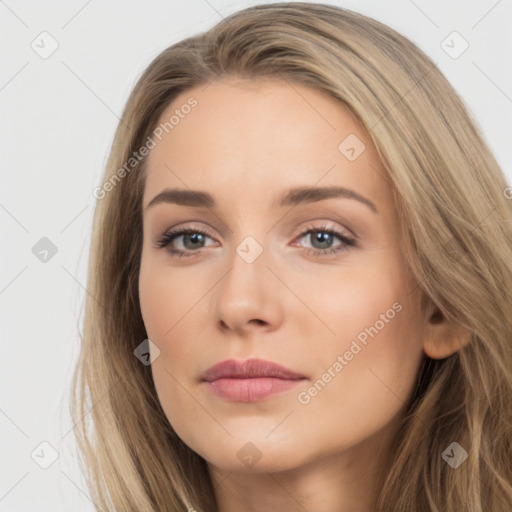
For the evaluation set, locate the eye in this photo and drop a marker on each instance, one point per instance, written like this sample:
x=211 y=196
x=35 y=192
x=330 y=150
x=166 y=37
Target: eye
x=323 y=237
x=194 y=239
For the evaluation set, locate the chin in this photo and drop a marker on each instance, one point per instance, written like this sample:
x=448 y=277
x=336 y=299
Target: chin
x=268 y=463
x=250 y=454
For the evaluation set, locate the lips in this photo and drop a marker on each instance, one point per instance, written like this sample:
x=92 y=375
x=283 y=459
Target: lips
x=250 y=380
x=249 y=369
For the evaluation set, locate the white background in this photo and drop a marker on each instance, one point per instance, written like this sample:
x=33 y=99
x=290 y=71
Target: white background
x=57 y=121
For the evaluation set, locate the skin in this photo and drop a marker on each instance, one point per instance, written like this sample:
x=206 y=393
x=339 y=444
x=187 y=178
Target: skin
x=246 y=143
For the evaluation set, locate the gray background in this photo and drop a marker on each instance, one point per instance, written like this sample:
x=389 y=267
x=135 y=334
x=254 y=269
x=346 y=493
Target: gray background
x=57 y=119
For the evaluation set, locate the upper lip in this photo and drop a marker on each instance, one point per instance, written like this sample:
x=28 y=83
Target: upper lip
x=250 y=368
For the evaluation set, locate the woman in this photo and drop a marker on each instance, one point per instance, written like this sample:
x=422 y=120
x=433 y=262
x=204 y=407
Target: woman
x=300 y=281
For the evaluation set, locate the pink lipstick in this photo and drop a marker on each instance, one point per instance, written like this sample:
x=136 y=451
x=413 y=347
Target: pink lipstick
x=250 y=380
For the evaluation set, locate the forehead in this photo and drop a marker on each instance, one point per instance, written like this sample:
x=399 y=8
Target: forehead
x=259 y=136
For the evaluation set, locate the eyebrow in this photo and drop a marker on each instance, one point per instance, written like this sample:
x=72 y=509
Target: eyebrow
x=292 y=197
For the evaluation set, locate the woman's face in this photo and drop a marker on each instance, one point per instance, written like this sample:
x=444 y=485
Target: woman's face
x=313 y=280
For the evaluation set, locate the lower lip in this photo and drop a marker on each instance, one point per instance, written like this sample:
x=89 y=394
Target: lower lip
x=251 y=390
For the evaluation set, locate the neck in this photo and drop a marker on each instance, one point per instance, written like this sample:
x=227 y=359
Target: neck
x=345 y=481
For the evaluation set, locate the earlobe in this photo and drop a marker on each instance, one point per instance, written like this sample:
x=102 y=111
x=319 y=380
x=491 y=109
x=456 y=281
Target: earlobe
x=443 y=337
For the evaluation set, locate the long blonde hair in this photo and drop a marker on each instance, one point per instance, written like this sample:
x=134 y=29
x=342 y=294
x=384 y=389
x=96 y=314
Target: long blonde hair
x=455 y=221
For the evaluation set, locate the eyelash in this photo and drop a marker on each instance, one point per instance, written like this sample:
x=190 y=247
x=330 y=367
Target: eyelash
x=169 y=236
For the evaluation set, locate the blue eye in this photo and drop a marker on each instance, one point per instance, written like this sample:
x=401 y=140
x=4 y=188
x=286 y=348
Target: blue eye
x=193 y=239
x=323 y=235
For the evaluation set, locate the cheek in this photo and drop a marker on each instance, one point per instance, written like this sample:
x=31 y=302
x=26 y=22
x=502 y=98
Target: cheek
x=158 y=302
x=164 y=304
x=372 y=383
x=165 y=300
x=174 y=307
x=168 y=296
x=369 y=366
x=351 y=299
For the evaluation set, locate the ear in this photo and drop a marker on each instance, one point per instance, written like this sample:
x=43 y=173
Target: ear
x=443 y=337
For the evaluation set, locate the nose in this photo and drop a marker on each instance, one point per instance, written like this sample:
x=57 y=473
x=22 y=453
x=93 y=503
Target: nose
x=249 y=298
